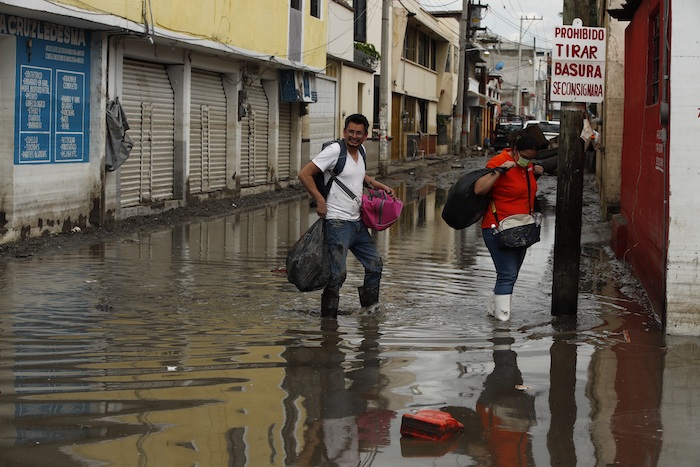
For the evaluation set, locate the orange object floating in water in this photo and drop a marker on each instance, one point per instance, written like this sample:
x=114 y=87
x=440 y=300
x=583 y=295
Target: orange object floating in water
x=430 y=424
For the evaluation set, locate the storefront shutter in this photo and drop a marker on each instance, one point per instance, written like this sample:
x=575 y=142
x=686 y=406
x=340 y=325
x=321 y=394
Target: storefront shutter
x=285 y=142
x=207 y=133
x=322 y=116
x=254 y=138
x=149 y=104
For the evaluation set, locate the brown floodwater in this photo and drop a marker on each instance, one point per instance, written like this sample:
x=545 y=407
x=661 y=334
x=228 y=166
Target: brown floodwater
x=187 y=346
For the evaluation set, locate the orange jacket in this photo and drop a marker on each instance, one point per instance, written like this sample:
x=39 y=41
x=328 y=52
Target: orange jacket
x=509 y=193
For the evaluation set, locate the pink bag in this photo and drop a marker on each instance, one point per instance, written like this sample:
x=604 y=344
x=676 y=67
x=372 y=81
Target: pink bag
x=379 y=210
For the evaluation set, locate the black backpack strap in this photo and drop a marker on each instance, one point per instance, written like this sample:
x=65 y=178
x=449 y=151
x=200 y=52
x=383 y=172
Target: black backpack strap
x=340 y=163
x=342 y=185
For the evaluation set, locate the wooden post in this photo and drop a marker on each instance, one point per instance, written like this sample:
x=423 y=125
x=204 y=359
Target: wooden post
x=567 y=232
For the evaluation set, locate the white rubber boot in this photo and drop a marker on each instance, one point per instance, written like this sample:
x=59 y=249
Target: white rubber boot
x=491 y=305
x=502 y=311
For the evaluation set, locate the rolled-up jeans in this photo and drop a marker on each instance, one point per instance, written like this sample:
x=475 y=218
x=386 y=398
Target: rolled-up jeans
x=507 y=261
x=342 y=236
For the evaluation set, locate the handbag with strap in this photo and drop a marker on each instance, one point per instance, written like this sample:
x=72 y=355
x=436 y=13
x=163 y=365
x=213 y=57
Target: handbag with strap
x=379 y=210
x=518 y=230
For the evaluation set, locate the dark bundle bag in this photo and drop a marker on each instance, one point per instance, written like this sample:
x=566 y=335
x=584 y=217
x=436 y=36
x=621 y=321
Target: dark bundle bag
x=308 y=266
x=463 y=207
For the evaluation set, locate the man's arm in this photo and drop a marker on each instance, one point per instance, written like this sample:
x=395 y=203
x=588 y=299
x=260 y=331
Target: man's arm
x=306 y=177
x=378 y=185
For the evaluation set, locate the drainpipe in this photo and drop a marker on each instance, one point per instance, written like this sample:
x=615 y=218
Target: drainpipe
x=664 y=114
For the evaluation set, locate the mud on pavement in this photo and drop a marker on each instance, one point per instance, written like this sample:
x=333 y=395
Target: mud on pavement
x=402 y=172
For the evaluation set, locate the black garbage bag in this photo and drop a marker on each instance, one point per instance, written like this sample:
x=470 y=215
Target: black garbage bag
x=118 y=144
x=307 y=262
x=463 y=207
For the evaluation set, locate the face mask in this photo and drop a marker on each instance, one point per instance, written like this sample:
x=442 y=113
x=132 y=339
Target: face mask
x=522 y=162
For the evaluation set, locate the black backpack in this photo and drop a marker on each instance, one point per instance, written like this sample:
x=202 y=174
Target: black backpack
x=325 y=188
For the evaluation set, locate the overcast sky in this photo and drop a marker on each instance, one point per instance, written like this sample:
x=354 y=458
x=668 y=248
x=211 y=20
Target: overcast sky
x=502 y=17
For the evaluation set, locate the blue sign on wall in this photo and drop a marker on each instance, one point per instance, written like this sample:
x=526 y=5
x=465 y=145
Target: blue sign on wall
x=52 y=110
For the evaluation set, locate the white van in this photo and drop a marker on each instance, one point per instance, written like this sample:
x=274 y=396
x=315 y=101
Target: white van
x=550 y=128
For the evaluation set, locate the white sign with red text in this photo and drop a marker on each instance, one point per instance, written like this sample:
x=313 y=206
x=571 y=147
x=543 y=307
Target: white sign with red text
x=578 y=64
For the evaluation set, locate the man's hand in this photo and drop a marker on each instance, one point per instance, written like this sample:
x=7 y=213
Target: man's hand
x=390 y=192
x=321 y=208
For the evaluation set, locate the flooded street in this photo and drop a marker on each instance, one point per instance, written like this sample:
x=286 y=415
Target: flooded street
x=188 y=347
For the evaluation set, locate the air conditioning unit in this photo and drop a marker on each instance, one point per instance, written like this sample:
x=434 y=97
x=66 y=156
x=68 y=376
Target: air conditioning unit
x=297 y=86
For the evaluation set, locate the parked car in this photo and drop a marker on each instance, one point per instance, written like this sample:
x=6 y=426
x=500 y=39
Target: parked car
x=550 y=128
x=503 y=133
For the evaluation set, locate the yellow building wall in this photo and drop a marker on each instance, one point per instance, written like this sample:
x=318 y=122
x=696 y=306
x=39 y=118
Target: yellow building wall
x=315 y=38
x=258 y=26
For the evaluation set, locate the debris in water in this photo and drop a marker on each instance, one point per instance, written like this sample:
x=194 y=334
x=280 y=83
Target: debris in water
x=522 y=387
x=281 y=271
x=626 y=333
x=434 y=425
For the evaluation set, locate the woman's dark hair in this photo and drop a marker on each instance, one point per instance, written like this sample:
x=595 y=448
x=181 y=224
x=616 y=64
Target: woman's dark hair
x=359 y=119
x=525 y=142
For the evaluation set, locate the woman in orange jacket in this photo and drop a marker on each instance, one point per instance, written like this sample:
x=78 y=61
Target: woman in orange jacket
x=512 y=194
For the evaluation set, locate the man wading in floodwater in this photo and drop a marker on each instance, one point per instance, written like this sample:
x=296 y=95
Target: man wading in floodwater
x=344 y=229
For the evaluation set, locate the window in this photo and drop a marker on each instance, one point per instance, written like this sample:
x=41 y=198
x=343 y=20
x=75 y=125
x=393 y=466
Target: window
x=296 y=4
x=316 y=8
x=360 y=27
x=420 y=48
x=360 y=96
x=423 y=53
x=423 y=115
x=654 y=59
x=409 y=50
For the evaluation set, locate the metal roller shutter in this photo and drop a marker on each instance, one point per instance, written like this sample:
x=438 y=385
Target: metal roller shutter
x=322 y=115
x=207 y=133
x=285 y=142
x=149 y=104
x=254 y=138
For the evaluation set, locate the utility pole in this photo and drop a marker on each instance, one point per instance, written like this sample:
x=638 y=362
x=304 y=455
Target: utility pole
x=567 y=231
x=465 y=107
x=384 y=83
x=518 y=97
x=460 y=116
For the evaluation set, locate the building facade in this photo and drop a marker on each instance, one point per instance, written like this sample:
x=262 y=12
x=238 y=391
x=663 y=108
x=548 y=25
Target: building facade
x=656 y=230
x=424 y=71
x=213 y=93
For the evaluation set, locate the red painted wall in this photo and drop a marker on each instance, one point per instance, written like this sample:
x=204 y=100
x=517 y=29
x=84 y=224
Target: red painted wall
x=642 y=181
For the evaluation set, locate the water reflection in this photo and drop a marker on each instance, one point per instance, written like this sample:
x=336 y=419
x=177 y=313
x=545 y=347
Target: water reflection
x=498 y=428
x=562 y=393
x=506 y=408
x=344 y=413
x=185 y=347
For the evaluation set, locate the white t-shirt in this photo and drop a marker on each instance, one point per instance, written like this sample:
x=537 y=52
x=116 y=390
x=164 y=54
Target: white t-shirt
x=339 y=204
